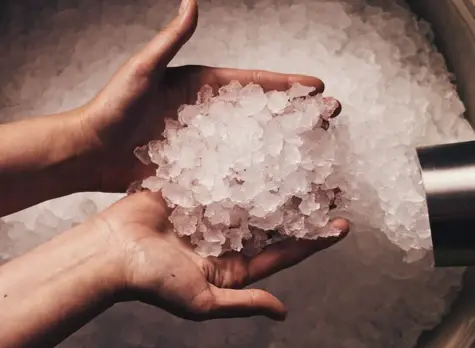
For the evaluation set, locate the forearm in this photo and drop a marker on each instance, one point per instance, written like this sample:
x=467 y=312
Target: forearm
x=52 y=291
x=43 y=158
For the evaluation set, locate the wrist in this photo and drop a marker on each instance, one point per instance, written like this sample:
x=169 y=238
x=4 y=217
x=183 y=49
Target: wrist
x=110 y=144
x=100 y=261
x=51 y=291
x=46 y=157
x=89 y=155
x=109 y=174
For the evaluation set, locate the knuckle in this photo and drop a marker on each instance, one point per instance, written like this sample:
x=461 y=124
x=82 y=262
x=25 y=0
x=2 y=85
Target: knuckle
x=201 y=307
x=137 y=66
x=257 y=76
x=174 y=33
x=252 y=297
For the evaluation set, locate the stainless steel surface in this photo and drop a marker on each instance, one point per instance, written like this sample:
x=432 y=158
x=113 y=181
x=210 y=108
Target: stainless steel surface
x=457 y=329
x=448 y=173
x=454 y=36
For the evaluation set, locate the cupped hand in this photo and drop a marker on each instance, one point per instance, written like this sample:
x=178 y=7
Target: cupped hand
x=131 y=109
x=161 y=269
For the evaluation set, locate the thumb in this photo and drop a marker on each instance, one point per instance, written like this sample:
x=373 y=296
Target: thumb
x=230 y=303
x=160 y=51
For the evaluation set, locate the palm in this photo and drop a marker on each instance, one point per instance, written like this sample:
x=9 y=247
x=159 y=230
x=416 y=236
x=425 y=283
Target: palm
x=171 y=276
x=163 y=270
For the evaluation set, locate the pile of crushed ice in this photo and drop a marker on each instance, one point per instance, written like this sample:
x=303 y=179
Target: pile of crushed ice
x=240 y=164
x=395 y=91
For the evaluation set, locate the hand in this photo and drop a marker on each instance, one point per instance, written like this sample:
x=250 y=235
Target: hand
x=161 y=269
x=131 y=109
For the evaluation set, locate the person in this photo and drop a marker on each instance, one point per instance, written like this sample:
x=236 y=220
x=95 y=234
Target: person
x=128 y=252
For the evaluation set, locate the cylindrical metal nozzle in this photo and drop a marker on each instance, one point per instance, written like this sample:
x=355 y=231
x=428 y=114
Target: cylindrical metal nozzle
x=448 y=174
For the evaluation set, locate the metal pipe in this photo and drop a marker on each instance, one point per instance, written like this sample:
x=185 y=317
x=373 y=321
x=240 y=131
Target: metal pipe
x=448 y=175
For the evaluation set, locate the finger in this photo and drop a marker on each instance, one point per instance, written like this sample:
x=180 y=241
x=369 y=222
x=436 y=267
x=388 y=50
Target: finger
x=230 y=303
x=289 y=252
x=335 y=104
x=268 y=80
x=160 y=51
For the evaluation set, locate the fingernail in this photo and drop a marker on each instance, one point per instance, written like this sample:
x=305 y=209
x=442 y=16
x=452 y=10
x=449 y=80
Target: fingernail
x=339 y=227
x=333 y=107
x=183 y=6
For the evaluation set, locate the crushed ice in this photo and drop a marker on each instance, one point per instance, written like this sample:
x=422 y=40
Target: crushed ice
x=244 y=162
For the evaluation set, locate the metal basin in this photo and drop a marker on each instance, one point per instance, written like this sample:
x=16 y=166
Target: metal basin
x=453 y=22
